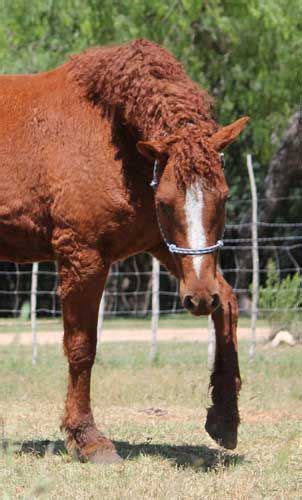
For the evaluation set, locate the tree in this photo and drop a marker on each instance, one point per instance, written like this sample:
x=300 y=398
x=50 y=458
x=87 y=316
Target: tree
x=283 y=178
x=247 y=54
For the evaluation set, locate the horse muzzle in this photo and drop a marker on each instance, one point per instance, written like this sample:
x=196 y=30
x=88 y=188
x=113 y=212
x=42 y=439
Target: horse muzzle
x=199 y=306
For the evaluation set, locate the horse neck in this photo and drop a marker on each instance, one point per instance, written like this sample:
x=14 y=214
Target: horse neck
x=145 y=84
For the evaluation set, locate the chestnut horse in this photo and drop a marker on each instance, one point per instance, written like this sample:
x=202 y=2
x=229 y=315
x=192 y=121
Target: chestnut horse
x=79 y=146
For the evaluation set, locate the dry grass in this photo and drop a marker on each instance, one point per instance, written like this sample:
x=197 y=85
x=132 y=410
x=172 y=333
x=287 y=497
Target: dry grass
x=156 y=416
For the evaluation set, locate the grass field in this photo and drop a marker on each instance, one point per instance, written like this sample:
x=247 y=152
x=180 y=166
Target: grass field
x=155 y=414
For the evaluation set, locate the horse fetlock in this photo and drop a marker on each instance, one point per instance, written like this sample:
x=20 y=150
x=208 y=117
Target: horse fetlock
x=225 y=389
x=79 y=433
x=77 y=423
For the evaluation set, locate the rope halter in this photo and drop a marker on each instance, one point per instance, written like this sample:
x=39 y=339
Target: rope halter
x=171 y=246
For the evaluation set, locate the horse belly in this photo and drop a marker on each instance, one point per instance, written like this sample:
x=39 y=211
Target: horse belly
x=23 y=238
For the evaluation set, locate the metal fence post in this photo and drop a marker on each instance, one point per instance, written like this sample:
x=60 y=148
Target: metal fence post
x=155 y=308
x=255 y=253
x=33 y=310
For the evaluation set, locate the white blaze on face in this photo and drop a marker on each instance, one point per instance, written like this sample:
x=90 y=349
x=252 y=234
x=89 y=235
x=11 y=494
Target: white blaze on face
x=194 y=216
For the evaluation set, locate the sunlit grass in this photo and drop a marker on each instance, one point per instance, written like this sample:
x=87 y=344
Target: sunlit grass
x=156 y=416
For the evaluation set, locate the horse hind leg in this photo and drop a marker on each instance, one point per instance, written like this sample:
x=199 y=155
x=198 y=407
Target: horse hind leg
x=223 y=416
x=80 y=295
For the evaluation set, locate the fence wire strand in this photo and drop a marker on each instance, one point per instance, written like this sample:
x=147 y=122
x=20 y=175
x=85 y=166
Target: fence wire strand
x=129 y=286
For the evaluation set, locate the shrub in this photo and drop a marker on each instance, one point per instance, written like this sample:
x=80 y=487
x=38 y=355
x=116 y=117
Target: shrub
x=280 y=301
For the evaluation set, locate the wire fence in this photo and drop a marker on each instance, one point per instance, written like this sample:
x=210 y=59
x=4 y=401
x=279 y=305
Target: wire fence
x=129 y=287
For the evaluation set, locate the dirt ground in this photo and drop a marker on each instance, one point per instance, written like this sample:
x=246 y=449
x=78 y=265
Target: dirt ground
x=140 y=335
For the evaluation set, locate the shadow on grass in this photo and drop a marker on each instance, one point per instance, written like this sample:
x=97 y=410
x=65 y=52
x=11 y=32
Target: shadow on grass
x=197 y=457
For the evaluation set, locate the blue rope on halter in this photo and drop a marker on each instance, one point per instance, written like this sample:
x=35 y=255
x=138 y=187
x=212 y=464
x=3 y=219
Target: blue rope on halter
x=171 y=246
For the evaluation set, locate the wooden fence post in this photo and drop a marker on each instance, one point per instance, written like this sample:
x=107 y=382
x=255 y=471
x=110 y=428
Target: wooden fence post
x=100 y=320
x=33 y=310
x=155 y=308
x=255 y=253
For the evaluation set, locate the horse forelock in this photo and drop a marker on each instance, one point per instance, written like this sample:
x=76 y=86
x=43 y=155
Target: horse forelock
x=195 y=159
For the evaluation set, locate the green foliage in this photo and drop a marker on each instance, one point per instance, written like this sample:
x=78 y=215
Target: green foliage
x=247 y=54
x=25 y=311
x=281 y=299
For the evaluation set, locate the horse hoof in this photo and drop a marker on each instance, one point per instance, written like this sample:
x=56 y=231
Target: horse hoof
x=218 y=431
x=104 y=457
x=99 y=453
x=227 y=439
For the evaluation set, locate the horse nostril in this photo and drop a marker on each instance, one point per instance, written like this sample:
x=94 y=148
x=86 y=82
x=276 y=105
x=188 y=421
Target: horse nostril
x=215 y=300
x=188 y=303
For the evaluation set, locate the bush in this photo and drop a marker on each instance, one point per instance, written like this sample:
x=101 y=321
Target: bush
x=280 y=301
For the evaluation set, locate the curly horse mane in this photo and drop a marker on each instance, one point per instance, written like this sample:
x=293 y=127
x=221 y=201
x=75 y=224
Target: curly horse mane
x=155 y=98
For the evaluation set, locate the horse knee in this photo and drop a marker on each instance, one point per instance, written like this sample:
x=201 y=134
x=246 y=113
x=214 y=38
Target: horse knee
x=80 y=357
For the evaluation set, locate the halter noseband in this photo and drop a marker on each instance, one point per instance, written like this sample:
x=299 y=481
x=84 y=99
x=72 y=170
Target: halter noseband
x=171 y=246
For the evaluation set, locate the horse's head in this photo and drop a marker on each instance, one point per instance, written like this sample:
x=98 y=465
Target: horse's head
x=190 y=193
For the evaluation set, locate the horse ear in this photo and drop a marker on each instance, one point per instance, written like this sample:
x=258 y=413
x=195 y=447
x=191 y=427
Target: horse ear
x=152 y=150
x=226 y=135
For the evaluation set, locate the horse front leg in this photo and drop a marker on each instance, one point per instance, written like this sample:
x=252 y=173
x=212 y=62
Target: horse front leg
x=81 y=290
x=223 y=416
